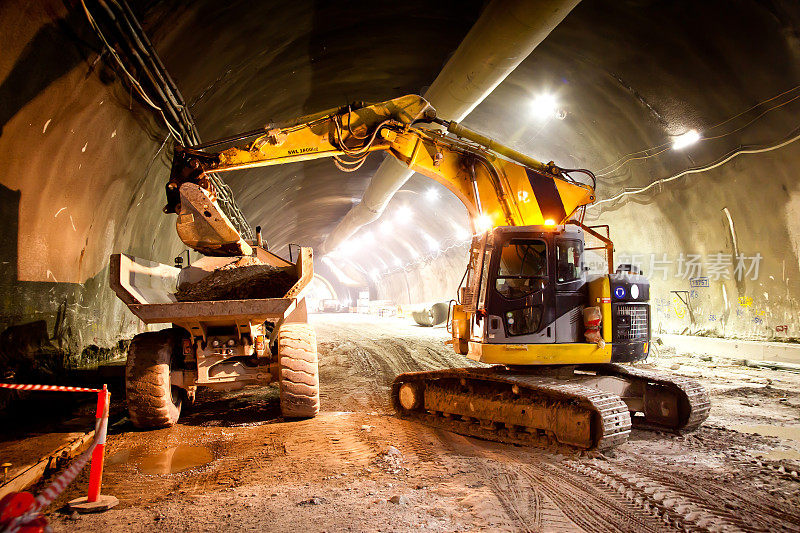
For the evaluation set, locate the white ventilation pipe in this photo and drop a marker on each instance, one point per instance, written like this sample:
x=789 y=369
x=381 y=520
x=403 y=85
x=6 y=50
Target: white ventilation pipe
x=504 y=35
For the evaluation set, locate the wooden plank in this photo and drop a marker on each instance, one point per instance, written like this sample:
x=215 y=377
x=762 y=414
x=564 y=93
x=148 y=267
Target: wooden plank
x=33 y=473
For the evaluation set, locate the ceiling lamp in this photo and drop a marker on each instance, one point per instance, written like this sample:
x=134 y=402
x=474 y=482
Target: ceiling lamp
x=544 y=106
x=687 y=139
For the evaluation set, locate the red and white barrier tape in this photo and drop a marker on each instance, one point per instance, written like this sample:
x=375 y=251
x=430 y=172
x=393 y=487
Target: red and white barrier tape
x=55 y=488
x=47 y=496
x=59 y=388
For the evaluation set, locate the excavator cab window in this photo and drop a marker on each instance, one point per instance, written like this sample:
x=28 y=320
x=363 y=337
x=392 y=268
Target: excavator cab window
x=569 y=260
x=522 y=269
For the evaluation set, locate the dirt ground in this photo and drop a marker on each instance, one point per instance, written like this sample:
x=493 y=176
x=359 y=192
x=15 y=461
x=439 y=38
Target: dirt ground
x=233 y=464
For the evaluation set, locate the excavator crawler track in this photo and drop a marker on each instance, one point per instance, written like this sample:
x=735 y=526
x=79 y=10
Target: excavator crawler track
x=511 y=407
x=691 y=397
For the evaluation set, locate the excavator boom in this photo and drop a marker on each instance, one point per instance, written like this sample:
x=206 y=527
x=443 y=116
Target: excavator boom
x=498 y=185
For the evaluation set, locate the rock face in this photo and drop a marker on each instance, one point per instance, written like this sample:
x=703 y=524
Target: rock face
x=246 y=279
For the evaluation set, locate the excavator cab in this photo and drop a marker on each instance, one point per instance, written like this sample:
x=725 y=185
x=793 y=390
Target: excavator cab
x=527 y=288
x=535 y=287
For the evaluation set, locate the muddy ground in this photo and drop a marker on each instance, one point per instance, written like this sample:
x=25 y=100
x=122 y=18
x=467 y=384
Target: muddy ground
x=233 y=464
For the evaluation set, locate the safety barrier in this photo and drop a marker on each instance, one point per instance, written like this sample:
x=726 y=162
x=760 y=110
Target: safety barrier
x=20 y=510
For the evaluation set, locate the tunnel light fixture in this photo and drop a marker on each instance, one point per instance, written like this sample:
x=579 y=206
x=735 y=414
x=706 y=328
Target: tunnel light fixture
x=404 y=214
x=483 y=223
x=544 y=106
x=432 y=195
x=687 y=139
x=549 y=222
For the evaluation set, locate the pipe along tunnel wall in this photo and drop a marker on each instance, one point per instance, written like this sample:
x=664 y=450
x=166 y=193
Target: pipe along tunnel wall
x=83 y=166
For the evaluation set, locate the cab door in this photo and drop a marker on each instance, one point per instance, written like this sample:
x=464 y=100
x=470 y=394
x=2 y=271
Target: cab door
x=570 y=289
x=520 y=299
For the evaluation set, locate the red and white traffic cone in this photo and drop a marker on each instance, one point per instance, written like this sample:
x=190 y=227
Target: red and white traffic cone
x=94 y=501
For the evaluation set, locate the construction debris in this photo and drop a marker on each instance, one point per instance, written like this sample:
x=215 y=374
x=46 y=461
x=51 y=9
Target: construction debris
x=247 y=278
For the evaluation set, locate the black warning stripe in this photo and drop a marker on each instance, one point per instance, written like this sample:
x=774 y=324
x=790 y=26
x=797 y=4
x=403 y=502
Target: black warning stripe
x=544 y=188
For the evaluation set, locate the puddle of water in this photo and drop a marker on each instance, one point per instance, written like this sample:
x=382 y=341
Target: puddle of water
x=170 y=461
x=784 y=432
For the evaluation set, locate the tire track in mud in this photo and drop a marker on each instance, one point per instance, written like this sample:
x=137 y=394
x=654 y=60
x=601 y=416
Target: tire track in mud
x=590 y=505
x=562 y=501
x=521 y=501
x=358 y=362
x=695 y=503
x=529 y=503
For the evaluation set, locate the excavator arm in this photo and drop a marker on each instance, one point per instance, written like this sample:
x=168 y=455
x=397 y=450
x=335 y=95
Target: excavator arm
x=498 y=185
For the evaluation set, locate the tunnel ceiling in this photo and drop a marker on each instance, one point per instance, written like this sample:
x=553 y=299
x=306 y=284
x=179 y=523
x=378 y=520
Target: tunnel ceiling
x=627 y=74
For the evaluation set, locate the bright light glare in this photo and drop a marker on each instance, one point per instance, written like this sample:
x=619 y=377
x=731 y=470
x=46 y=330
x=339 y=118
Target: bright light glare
x=544 y=106
x=433 y=244
x=687 y=139
x=483 y=223
x=374 y=273
x=348 y=247
x=367 y=238
x=549 y=222
x=386 y=227
x=461 y=232
x=431 y=195
x=397 y=262
x=340 y=275
x=404 y=214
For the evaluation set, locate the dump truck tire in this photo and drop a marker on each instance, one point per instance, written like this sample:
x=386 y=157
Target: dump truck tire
x=299 y=375
x=152 y=401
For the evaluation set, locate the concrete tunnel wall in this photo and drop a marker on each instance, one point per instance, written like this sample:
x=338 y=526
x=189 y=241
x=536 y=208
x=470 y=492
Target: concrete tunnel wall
x=83 y=172
x=82 y=177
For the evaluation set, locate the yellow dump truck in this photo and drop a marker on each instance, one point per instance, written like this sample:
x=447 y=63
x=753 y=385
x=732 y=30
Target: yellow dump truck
x=222 y=344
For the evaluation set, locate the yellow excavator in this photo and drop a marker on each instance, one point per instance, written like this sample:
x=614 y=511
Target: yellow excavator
x=555 y=333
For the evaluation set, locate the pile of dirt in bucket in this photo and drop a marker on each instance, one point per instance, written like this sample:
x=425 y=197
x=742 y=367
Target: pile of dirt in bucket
x=245 y=279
